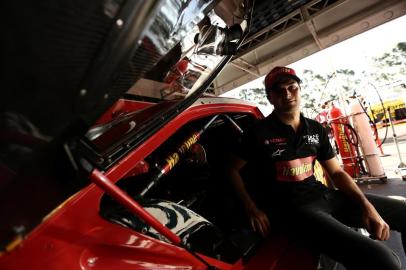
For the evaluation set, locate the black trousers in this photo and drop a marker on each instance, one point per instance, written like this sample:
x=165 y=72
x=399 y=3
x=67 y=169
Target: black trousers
x=325 y=226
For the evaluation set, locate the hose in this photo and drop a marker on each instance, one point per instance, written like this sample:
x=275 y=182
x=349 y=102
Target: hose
x=358 y=158
x=384 y=113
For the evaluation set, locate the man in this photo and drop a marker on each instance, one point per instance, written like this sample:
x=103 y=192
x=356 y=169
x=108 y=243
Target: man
x=280 y=192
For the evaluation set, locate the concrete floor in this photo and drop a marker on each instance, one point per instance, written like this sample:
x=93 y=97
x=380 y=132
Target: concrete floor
x=394 y=186
x=391 y=160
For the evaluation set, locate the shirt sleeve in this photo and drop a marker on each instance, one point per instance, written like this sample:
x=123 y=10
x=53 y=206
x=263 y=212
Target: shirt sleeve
x=325 y=152
x=246 y=151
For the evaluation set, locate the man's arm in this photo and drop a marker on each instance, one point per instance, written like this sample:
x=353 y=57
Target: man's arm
x=258 y=219
x=373 y=221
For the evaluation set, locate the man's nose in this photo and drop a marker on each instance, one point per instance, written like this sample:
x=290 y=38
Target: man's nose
x=286 y=93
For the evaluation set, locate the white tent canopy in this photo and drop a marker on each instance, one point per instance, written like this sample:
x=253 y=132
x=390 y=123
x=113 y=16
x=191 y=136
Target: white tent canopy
x=315 y=26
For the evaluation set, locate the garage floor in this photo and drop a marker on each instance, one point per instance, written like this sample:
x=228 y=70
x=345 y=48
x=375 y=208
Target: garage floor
x=394 y=187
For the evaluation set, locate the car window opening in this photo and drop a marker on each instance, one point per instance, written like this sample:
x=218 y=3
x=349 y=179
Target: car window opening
x=194 y=200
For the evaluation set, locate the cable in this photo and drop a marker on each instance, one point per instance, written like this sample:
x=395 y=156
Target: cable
x=325 y=86
x=374 y=124
x=358 y=158
x=371 y=122
x=351 y=128
x=384 y=113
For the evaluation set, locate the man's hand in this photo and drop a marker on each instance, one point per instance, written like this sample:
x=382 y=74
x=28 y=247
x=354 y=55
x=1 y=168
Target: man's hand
x=258 y=220
x=375 y=224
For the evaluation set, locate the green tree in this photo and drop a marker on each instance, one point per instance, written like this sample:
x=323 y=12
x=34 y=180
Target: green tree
x=390 y=67
x=349 y=82
x=314 y=92
x=391 y=64
x=256 y=95
x=389 y=71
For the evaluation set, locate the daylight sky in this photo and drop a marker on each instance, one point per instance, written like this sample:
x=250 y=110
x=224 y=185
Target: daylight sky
x=354 y=53
x=357 y=52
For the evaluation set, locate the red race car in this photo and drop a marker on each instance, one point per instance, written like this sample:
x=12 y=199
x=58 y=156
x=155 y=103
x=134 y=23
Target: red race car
x=112 y=156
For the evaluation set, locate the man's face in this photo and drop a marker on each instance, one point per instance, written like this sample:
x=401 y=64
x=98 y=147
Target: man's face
x=286 y=96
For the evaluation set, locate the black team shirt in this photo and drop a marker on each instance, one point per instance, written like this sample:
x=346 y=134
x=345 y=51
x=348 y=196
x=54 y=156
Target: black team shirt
x=280 y=167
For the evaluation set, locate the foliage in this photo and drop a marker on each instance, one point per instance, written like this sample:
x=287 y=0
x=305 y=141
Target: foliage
x=256 y=95
x=389 y=68
x=320 y=88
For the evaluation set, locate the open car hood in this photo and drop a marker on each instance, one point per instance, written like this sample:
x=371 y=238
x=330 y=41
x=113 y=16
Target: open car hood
x=65 y=63
x=59 y=80
x=184 y=72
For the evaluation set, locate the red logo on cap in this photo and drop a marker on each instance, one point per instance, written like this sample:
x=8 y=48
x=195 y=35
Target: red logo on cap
x=275 y=73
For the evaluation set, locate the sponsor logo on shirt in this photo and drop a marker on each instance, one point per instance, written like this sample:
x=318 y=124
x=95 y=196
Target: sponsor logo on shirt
x=294 y=170
x=277 y=141
x=278 y=153
x=311 y=139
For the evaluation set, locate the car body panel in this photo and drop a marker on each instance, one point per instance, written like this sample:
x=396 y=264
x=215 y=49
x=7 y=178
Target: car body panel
x=70 y=141
x=75 y=236
x=68 y=75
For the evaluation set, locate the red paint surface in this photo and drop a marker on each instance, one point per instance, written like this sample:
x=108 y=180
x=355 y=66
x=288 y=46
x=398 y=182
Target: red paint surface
x=74 y=236
x=122 y=106
x=342 y=134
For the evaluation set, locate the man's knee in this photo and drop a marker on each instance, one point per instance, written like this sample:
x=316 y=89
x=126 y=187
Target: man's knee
x=397 y=261
x=382 y=258
x=390 y=261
